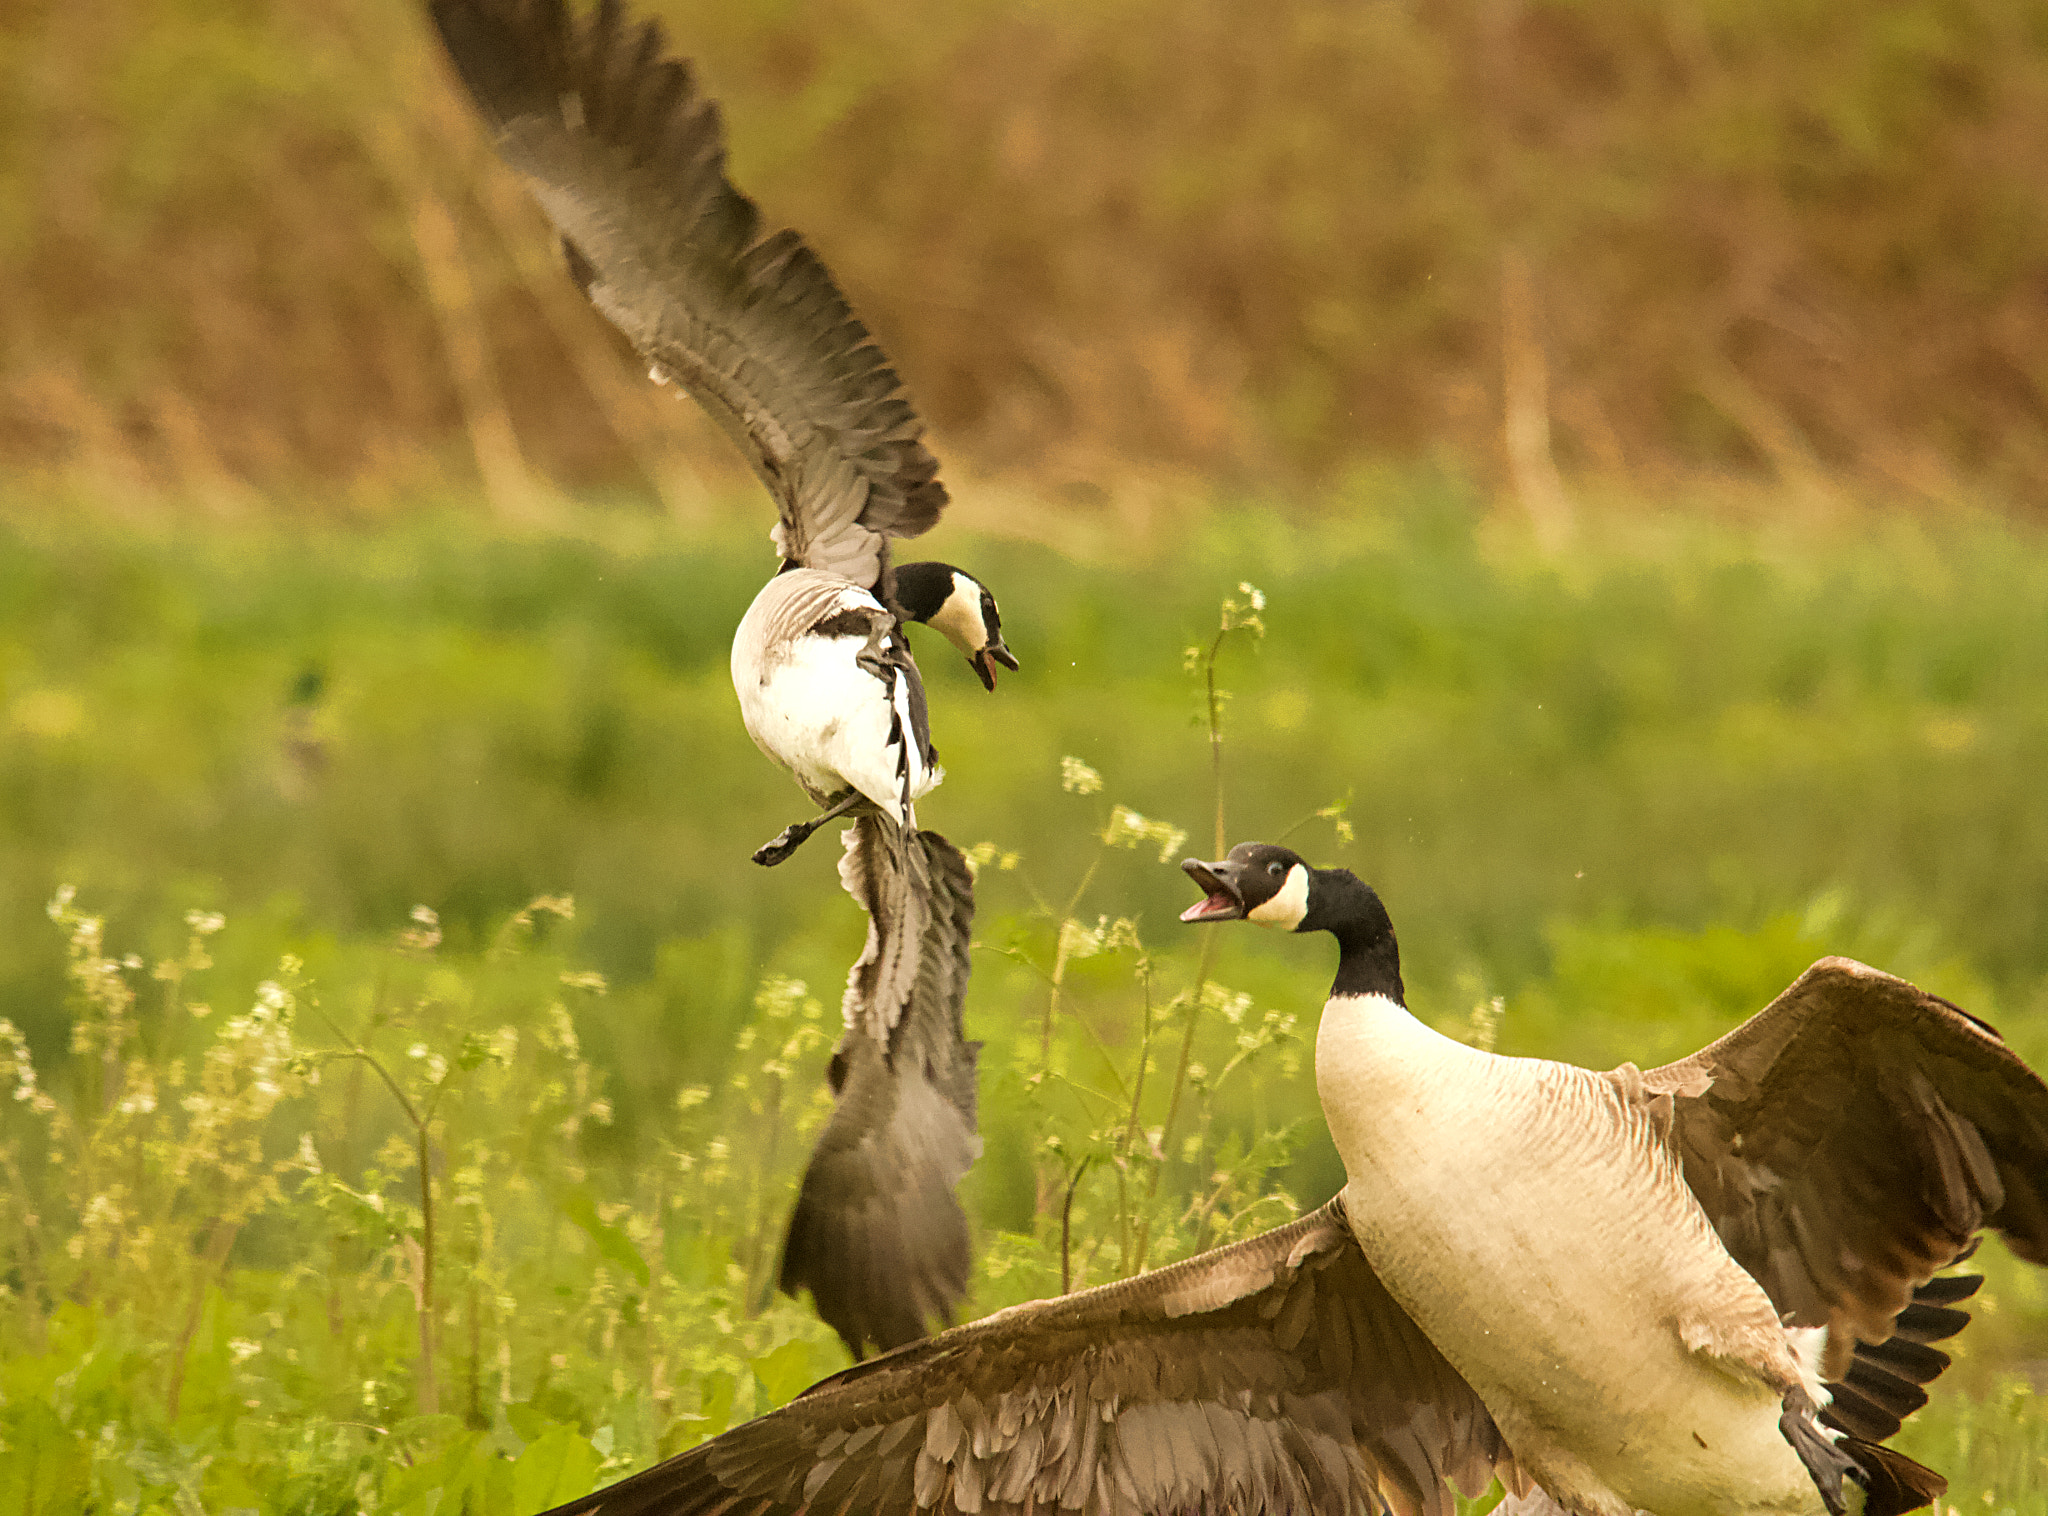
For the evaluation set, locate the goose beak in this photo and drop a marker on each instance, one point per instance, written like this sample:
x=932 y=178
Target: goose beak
x=983 y=662
x=1224 y=903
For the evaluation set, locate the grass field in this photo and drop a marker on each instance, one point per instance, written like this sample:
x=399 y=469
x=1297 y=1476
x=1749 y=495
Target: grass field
x=291 y=823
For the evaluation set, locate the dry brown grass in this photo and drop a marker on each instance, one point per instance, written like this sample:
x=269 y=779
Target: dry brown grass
x=261 y=244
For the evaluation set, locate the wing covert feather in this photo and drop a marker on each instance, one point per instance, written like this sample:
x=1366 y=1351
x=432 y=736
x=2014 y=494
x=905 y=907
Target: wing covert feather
x=1852 y=1138
x=1170 y=1392
x=627 y=158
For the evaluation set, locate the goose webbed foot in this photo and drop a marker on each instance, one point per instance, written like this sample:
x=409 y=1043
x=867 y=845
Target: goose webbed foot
x=1824 y=1458
x=793 y=836
x=785 y=842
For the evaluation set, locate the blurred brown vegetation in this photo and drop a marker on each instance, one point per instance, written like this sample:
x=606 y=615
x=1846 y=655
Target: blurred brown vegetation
x=261 y=246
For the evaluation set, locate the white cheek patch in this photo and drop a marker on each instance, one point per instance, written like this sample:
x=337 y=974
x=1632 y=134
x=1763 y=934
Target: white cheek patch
x=960 y=617
x=1288 y=906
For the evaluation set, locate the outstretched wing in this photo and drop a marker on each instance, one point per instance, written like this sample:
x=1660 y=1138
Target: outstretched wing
x=1852 y=1138
x=628 y=160
x=1274 y=1375
x=877 y=1236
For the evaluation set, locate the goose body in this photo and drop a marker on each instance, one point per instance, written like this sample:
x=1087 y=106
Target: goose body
x=1531 y=1220
x=828 y=690
x=1549 y=1227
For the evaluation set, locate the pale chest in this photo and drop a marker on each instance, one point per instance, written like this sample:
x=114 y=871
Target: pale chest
x=1523 y=1215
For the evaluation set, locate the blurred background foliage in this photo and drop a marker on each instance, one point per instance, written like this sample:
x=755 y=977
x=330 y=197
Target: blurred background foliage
x=260 y=242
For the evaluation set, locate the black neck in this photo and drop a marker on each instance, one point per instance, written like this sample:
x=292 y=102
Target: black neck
x=1368 y=959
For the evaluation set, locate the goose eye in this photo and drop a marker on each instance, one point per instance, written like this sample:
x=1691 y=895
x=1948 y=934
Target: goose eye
x=1276 y=868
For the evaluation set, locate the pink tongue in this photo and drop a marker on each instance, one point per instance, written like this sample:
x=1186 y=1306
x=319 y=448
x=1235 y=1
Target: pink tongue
x=1218 y=904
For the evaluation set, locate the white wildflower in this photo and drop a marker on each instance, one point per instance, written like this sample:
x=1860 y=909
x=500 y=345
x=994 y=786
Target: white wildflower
x=1129 y=829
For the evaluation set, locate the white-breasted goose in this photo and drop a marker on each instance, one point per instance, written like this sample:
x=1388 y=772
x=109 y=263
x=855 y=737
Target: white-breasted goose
x=1681 y=1291
x=1579 y=1283
x=628 y=160
x=877 y=1236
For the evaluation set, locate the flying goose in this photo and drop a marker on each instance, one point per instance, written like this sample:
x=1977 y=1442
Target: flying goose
x=876 y=1236
x=1706 y=1289
x=628 y=160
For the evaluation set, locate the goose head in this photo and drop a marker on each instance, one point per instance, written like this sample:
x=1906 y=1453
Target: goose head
x=1275 y=886
x=1259 y=882
x=955 y=603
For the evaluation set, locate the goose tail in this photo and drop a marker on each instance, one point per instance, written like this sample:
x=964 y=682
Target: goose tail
x=1892 y=1482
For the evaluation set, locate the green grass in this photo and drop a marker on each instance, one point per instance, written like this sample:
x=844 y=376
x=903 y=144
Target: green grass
x=1632 y=791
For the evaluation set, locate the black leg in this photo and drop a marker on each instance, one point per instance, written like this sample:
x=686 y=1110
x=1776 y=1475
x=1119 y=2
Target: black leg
x=791 y=837
x=1823 y=1457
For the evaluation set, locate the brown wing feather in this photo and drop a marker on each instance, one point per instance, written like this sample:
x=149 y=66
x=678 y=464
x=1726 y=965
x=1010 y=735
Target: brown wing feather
x=1852 y=1138
x=877 y=1236
x=1273 y=1375
x=1885 y=1381
x=628 y=159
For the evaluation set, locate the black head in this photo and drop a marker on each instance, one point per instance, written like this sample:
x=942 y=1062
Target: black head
x=1259 y=882
x=955 y=602
x=1277 y=887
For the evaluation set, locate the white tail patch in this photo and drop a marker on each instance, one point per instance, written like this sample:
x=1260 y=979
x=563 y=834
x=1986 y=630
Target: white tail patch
x=1288 y=906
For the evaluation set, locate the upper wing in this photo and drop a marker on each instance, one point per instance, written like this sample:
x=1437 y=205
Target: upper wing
x=628 y=160
x=1852 y=1138
x=1274 y=1375
x=877 y=1235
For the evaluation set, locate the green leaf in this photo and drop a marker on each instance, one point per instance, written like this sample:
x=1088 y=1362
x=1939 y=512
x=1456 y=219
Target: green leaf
x=786 y=1372
x=46 y=1468
x=559 y=1465
x=717 y=1391
x=581 y=1208
x=451 y=1473
x=527 y=1420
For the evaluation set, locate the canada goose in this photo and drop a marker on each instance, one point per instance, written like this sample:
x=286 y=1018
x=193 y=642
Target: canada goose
x=628 y=160
x=876 y=1236
x=1647 y=1277
x=1843 y=1145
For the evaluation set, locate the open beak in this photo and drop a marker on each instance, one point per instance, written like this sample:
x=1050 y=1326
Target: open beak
x=1224 y=903
x=984 y=662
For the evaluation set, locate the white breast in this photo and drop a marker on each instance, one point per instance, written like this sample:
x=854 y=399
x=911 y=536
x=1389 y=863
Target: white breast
x=816 y=711
x=1522 y=1214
